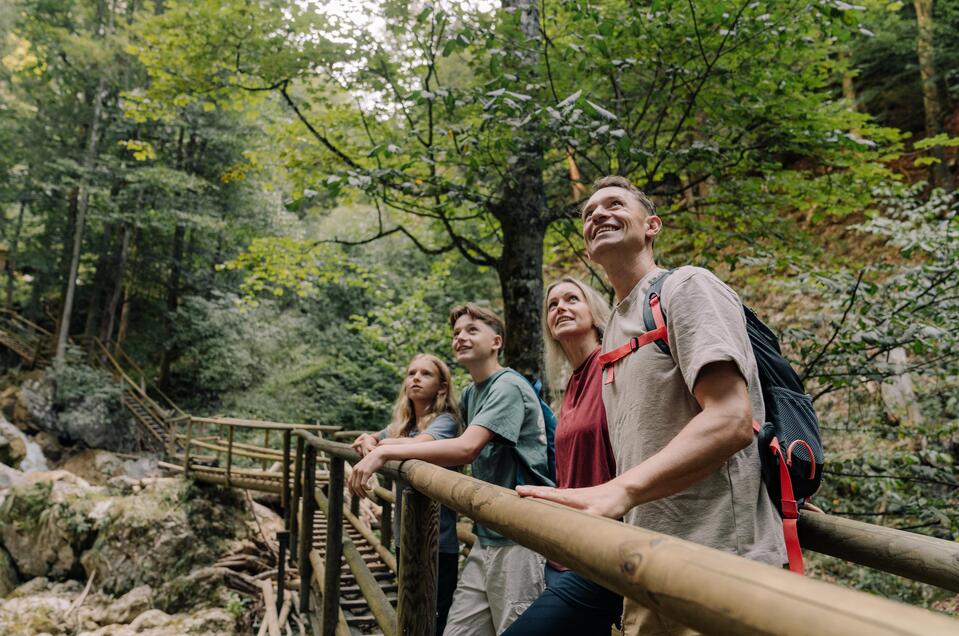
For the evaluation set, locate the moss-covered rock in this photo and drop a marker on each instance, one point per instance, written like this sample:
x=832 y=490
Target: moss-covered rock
x=9 y=578
x=169 y=529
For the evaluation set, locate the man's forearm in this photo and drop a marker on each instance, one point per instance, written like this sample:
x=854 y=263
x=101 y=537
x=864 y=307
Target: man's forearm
x=700 y=449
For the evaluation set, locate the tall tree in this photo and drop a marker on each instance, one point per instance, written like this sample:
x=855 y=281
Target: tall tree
x=932 y=104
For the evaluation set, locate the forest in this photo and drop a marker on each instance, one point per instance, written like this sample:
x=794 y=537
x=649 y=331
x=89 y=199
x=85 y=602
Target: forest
x=271 y=205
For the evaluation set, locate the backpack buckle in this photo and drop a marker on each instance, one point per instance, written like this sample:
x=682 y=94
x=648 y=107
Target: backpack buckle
x=633 y=343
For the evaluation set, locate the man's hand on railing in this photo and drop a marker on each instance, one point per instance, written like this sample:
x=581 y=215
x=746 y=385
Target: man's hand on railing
x=607 y=500
x=364 y=444
x=363 y=471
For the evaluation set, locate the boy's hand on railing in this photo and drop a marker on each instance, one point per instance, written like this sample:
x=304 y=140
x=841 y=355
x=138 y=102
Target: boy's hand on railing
x=363 y=471
x=607 y=500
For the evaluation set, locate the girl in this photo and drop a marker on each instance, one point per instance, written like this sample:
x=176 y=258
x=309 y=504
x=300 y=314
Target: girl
x=573 y=320
x=425 y=410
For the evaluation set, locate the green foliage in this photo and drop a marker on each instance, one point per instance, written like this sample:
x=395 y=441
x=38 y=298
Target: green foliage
x=81 y=390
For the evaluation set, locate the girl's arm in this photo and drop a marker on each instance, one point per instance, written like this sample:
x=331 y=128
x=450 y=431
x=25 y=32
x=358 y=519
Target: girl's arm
x=422 y=437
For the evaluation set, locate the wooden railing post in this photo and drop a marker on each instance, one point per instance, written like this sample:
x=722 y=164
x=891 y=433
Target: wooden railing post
x=292 y=523
x=186 y=451
x=334 y=548
x=266 y=444
x=306 y=528
x=419 y=545
x=285 y=487
x=386 y=519
x=229 y=456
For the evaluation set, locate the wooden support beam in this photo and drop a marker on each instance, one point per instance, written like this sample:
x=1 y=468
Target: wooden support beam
x=319 y=578
x=270 y=617
x=386 y=519
x=306 y=527
x=285 y=471
x=419 y=545
x=229 y=456
x=297 y=489
x=907 y=554
x=334 y=546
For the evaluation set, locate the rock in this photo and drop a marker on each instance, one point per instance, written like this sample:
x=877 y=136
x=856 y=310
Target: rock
x=12 y=448
x=9 y=579
x=126 y=608
x=10 y=477
x=100 y=466
x=38 y=607
x=45 y=527
x=205 y=587
x=166 y=531
x=50 y=445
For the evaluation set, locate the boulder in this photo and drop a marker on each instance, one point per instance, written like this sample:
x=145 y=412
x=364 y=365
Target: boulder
x=9 y=579
x=50 y=445
x=126 y=608
x=45 y=529
x=12 y=448
x=169 y=529
x=38 y=607
x=100 y=466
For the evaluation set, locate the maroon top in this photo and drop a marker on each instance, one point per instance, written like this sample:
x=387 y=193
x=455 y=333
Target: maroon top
x=584 y=456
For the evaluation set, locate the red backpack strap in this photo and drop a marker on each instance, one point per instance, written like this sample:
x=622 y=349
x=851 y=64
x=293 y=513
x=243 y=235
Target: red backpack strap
x=610 y=358
x=790 y=512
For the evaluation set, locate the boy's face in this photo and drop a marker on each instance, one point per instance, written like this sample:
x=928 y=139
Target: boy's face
x=474 y=340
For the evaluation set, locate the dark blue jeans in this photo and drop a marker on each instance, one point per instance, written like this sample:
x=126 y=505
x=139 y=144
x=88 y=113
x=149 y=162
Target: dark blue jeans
x=571 y=605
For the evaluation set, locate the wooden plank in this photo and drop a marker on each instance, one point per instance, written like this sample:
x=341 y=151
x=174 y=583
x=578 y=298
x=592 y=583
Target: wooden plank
x=334 y=546
x=270 y=617
x=419 y=545
x=306 y=528
x=907 y=554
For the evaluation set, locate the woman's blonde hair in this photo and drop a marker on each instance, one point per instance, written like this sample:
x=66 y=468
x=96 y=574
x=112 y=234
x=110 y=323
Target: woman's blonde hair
x=404 y=421
x=557 y=365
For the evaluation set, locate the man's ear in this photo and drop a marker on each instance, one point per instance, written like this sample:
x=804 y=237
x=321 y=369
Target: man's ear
x=497 y=343
x=653 y=225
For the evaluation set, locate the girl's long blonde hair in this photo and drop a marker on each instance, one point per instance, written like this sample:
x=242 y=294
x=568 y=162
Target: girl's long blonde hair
x=557 y=366
x=404 y=421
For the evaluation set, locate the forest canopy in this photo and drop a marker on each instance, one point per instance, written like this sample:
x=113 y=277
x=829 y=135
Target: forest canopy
x=272 y=205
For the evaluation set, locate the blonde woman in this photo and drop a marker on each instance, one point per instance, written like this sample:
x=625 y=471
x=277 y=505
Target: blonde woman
x=425 y=410
x=573 y=320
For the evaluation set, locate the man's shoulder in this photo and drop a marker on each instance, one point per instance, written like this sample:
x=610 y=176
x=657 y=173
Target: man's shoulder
x=690 y=280
x=513 y=378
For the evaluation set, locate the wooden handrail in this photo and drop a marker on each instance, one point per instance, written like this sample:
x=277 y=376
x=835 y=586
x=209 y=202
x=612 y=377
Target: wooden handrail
x=706 y=589
x=263 y=424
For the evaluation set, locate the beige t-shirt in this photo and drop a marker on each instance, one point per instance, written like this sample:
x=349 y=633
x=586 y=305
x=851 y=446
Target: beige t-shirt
x=651 y=400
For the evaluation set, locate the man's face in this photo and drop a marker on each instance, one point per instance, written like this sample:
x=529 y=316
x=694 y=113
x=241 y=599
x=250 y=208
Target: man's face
x=474 y=340
x=615 y=221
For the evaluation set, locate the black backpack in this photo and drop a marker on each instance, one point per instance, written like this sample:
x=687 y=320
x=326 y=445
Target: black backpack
x=790 y=445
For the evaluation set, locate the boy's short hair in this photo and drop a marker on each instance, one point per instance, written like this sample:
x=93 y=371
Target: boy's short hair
x=616 y=181
x=476 y=312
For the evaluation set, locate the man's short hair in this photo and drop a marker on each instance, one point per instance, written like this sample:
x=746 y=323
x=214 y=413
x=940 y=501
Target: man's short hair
x=478 y=313
x=616 y=181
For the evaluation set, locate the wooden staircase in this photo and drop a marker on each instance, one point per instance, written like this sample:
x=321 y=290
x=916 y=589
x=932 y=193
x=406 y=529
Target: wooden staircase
x=145 y=414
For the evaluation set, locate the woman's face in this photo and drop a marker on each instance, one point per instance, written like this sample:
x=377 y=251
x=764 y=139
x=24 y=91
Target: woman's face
x=567 y=314
x=422 y=381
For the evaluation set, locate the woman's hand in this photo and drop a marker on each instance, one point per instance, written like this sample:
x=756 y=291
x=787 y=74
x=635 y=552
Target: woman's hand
x=607 y=500
x=364 y=444
x=363 y=471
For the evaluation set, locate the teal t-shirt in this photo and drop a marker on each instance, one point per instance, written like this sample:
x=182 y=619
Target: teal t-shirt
x=506 y=405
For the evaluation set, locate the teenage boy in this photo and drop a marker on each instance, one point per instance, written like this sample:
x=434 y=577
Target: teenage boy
x=680 y=424
x=505 y=438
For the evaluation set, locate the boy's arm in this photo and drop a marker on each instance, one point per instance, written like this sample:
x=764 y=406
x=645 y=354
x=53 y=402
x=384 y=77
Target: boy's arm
x=445 y=452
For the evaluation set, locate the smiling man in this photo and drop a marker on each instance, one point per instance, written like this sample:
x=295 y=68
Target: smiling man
x=679 y=415
x=505 y=441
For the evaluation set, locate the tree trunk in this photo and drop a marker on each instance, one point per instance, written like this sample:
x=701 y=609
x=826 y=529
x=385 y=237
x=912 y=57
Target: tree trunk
x=83 y=201
x=172 y=301
x=523 y=219
x=95 y=298
x=11 y=257
x=925 y=47
x=520 y=271
x=106 y=325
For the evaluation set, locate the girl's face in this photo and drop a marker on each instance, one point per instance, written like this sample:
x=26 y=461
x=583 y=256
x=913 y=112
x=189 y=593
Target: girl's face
x=423 y=381
x=567 y=314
